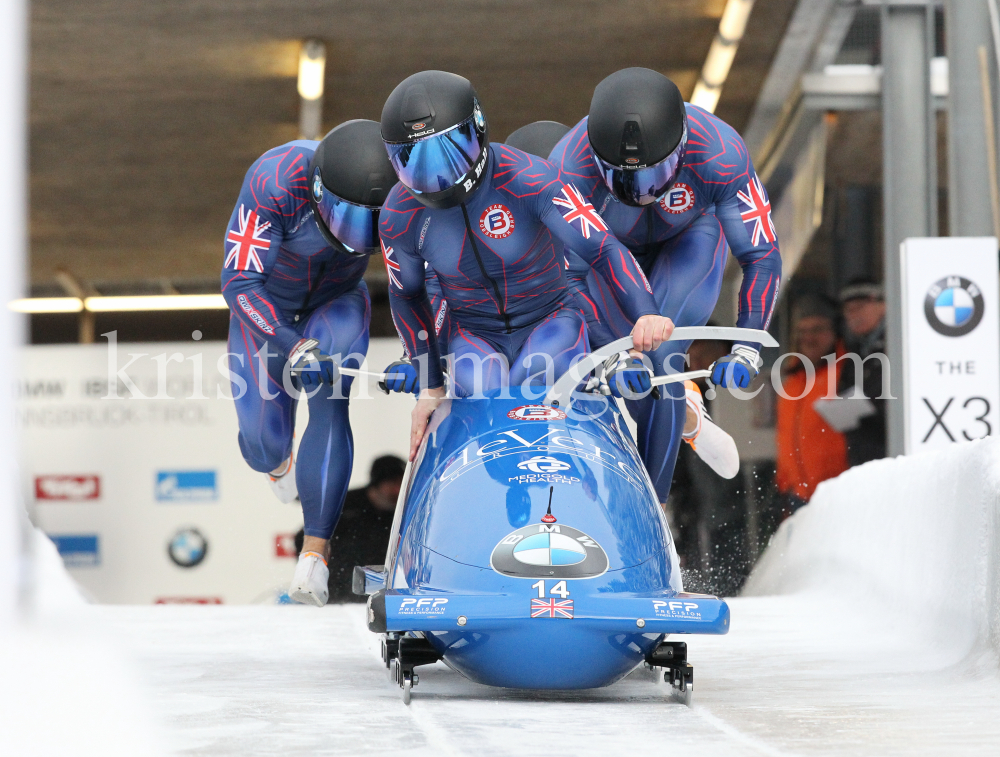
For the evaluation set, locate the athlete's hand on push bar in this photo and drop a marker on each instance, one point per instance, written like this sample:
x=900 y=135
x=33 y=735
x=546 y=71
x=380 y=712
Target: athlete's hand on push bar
x=650 y=332
x=426 y=404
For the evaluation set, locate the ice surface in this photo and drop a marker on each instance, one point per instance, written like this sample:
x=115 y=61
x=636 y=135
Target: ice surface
x=878 y=638
x=795 y=676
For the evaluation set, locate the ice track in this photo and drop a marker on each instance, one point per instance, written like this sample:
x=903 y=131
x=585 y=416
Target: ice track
x=872 y=627
x=304 y=681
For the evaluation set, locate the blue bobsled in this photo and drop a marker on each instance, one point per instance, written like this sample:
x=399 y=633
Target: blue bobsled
x=530 y=551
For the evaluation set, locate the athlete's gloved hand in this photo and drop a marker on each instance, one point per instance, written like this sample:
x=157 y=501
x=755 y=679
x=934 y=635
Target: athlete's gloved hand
x=628 y=378
x=401 y=376
x=311 y=366
x=738 y=368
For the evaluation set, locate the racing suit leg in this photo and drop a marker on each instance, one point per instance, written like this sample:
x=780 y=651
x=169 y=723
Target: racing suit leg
x=326 y=453
x=477 y=365
x=686 y=277
x=549 y=349
x=264 y=410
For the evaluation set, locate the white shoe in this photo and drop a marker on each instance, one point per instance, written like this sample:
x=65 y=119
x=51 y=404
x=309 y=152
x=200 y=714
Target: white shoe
x=710 y=443
x=310 y=586
x=283 y=486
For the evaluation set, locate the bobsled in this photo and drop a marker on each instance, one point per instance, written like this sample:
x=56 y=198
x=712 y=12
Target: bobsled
x=529 y=549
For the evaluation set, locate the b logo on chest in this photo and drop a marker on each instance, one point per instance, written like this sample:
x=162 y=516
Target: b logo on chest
x=679 y=199
x=497 y=222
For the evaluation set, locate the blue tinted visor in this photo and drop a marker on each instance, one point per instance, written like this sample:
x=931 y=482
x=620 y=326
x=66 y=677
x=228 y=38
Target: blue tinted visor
x=439 y=161
x=354 y=226
x=645 y=185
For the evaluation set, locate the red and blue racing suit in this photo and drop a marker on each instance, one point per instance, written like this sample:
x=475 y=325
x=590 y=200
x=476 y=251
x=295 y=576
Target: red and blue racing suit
x=283 y=283
x=497 y=265
x=680 y=242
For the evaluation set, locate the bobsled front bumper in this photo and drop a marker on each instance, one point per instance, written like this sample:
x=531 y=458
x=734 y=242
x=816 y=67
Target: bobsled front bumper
x=520 y=641
x=662 y=613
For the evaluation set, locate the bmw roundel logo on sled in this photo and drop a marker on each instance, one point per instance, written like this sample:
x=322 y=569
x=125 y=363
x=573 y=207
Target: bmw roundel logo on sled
x=536 y=413
x=188 y=548
x=549 y=550
x=954 y=306
x=497 y=222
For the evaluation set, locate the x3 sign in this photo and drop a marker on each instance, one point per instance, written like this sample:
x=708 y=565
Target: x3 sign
x=951 y=341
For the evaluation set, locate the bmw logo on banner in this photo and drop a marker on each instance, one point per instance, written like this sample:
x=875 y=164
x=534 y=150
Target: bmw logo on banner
x=544 y=550
x=954 y=306
x=951 y=341
x=188 y=548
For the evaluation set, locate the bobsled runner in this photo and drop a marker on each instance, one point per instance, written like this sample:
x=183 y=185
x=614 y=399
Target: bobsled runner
x=529 y=549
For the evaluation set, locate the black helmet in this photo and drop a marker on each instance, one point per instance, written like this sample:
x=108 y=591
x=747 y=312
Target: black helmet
x=349 y=179
x=437 y=137
x=538 y=138
x=638 y=131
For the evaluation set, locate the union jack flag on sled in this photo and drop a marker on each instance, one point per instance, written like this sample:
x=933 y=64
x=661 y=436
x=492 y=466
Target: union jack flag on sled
x=551 y=608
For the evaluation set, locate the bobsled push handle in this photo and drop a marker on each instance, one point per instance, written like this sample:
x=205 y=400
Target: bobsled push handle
x=562 y=390
x=353 y=372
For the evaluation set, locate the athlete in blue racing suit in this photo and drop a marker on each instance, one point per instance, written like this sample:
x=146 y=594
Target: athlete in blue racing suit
x=488 y=233
x=677 y=223
x=296 y=248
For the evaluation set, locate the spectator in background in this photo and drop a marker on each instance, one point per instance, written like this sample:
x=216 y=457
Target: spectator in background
x=809 y=449
x=863 y=306
x=362 y=534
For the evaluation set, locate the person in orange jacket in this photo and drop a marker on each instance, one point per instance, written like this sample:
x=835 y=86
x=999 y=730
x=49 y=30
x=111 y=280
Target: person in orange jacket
x=809 y=450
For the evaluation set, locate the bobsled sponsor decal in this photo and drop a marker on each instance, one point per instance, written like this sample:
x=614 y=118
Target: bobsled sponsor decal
x=676 y=608
x=552 y=608
x=543 y=464
x=555 y=440
x=536 y=413
x=549 y=550
x=543 y=478
x=422 y=606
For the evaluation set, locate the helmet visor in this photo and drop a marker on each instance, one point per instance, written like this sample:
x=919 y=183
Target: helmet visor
x=439 y=161
x=645 y=185
x=354 y=226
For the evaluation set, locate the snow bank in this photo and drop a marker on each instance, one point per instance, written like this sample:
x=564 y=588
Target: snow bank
x=67 y=688
x=53 y=589
x=920 y=535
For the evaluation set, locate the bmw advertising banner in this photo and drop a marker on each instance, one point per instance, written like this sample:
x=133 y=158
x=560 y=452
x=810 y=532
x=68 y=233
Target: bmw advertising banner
x=951 y=340
x=132 y=467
